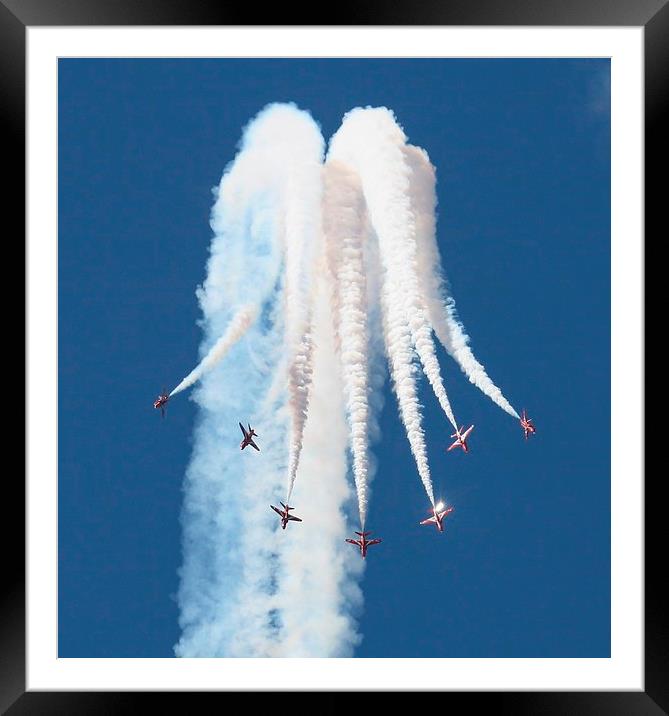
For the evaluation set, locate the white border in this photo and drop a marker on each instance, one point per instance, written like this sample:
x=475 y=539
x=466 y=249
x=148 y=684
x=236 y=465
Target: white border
x=624 y=670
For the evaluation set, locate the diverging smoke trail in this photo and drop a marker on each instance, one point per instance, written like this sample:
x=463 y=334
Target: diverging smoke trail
x=240 y=323
x=351 y=147
x=345 y=229
x=402 y=370
x=440 y=305
x=228 y=595
x=372 y=142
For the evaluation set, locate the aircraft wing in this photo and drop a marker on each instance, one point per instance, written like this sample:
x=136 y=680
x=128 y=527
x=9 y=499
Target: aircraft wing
x=455 y=444
x=467 y=432
x=243 y=430
x=277 y=510
x=429 y=521
x=374 y=541
x=353 y=541
x=292 y=517
x=252 y=444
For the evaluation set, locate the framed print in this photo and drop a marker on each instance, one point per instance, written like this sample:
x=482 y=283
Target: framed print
x=334 y=351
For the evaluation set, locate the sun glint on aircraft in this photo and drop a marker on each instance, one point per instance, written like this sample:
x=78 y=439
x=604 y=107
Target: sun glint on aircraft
x=285 y=517
x=527 y=425
x=363 y=542
x=248 y=437
x=460 y=438
x=161 y=401
x=438 y=515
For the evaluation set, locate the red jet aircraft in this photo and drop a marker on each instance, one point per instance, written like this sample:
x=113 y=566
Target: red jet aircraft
x=161 y=401
x=363 y=542
x=285 y=517
x=438 y=516
x=248 y=437
x=526 y=425
x=460 y=438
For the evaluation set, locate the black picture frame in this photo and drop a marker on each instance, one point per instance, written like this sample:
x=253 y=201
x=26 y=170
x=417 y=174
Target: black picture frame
x=17 y=15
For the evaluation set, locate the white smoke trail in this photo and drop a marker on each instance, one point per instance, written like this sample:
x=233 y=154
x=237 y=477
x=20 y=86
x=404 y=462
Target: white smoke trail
x=303 y=232
x=220 y=568
x=440 y=305
x=350 y=146
x=344 y=226
x=228 y=592
x=237 y=328
x=402 y=370
x=371 y=141
x=317 y=572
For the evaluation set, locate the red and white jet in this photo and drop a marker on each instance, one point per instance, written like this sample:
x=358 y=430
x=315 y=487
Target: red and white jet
x=248 y=437
x=526 y=425
x=285 y=517
x=460 y=438
x=161 y=401
x=438 y=515
x=363 y=542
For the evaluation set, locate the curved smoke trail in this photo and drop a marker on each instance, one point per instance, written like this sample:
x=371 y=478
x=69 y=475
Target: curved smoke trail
x=440 y=305
x=237 y=328
x=372 y=141
x=402 y=370
x=363 y=143
x=345 y=228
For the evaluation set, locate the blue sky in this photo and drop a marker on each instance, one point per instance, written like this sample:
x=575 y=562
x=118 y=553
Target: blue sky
x=522 y=153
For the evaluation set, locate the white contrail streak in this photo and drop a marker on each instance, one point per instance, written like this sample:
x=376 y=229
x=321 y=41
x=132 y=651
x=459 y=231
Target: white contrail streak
x=237 y=328
x=344 y=224
x=371 y=141
x=440 y=305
